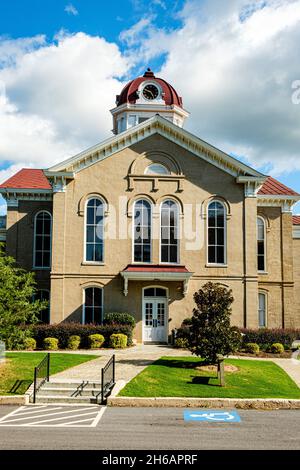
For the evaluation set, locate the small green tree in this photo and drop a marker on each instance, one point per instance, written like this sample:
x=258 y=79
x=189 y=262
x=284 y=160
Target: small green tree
x=17 y=308
x=210 y=331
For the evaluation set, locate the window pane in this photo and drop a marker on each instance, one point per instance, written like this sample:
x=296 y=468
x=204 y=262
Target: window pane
x=211 y=218
x=211 y=236
x=98 y=252
x=137 y=253
x=173 y=254
x=39 y=242
x=149 y=292
x=90 y=233
x=261 y=263
x=220 y=254
x=46 y=259
x=220 y=218
x=97 y=297
x=46 y=243
x=89 y=252
x=88 y=314
x=164 y=253
x=90 y=215
x=89 y=297
x=220 y=236
x=211 y=254
x=97 y=315
x=160 y=292
x=146 y=253
x=260 y=248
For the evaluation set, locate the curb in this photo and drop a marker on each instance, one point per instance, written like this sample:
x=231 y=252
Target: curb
x=14 y=400
x=240 y=403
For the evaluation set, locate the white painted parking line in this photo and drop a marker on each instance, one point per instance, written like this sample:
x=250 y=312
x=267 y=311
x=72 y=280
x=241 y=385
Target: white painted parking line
x=54 y=416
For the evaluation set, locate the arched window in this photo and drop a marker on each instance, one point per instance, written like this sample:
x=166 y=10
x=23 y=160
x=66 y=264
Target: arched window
x=94 y=231
x=142 y=232
x=44 y=315
x=157 y=169
x=261 y=244
x=262 y=309
x=93 y=305
x=169 y=232
x=216 y=222
x=42 y=240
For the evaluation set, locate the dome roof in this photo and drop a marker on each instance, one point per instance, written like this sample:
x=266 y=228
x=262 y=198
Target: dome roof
x=129 y=92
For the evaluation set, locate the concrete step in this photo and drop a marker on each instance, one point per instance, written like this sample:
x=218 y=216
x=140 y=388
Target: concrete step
x=87 y=385
x=63 y=399
x=69 y=392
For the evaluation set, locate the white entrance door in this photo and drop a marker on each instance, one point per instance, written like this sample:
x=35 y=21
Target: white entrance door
x=155 y=327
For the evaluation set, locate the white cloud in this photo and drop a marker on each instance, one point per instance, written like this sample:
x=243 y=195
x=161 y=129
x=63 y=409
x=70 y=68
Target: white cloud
x=71 y=10
x=234 y=64
x=55 y=99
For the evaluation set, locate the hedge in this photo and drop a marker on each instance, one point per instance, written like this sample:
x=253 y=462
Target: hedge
x=119 y=319
x=265 y=336
x=63 y=331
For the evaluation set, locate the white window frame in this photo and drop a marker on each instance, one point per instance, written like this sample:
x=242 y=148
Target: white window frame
x=133 y=231
x=35 y=266
x=265 y=294
x=209 y=263
x=93 y=286
x=97 y=263
x=178 y=232
x=263 y=271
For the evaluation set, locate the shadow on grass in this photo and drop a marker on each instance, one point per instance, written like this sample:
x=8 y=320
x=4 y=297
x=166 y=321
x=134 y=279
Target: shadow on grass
x=203 y=381
x=178 y=364
x=20 y=386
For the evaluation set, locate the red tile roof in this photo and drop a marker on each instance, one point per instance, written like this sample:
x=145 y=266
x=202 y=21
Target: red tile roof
x=296 y=219
x=27 y=178
x=155 y=268
x=272 y=186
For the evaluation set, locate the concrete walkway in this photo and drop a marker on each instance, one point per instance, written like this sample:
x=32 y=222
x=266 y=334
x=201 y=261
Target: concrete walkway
x=131 y=361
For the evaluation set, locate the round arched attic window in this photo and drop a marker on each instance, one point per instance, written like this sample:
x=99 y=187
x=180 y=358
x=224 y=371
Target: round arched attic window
x=157 y=169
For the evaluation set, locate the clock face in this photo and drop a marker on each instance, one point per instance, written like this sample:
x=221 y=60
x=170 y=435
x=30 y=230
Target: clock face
x=150 y=92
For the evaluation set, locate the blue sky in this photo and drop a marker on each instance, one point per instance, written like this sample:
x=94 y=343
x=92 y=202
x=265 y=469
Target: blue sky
x=234 y=63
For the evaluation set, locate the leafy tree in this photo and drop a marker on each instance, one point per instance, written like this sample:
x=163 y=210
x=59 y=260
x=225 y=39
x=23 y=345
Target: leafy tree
x=210 y=330
x=17 y=309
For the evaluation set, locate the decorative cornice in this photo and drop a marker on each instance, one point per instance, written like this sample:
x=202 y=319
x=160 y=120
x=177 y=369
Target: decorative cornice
x=156 y=125
x=58 y=179
x=252 y=184
x=286 y=202
x=13 y=196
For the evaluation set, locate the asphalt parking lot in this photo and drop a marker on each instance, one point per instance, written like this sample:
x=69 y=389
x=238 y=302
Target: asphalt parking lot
x=143 y=428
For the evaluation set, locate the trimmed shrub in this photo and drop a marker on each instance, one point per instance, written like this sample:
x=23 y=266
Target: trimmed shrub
x=277 y=348
x=118 y=341
x=269 y=336
x=63 y=331
x=252 y=348
x=181 y=343
x=96 y=341
x=74 y=342
x=29 y=344
x=119 y=319
x=50 y=343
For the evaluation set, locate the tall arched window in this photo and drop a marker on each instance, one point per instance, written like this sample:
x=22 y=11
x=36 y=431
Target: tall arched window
x=262 y=309
x=93 y=305
x=142 y=232
x=94 y=231
x=169 y=232
x=42 y=240
x=261 y=244
x=216 y=222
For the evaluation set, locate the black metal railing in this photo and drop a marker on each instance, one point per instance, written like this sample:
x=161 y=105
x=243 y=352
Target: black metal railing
x=41 y=375
x=108 y=378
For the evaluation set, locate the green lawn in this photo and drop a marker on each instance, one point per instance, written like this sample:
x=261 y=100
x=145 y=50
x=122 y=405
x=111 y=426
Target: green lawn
x=178 y=377
x=16 y=374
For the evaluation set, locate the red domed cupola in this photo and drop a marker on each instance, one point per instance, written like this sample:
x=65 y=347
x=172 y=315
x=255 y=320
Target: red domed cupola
x=130 y=93
x=144 y=97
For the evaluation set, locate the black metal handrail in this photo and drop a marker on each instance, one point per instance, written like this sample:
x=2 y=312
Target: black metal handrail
x=41 y=375
x=108 y=378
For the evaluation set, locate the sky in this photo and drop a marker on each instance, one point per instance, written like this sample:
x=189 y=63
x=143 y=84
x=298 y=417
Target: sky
x=234 y=62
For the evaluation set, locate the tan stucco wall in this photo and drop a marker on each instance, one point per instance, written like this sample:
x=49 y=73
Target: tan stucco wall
x=296 y=255
x=201 y=181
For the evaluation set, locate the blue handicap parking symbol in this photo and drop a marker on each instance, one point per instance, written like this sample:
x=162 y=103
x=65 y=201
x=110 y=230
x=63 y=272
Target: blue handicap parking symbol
x=212 y=416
